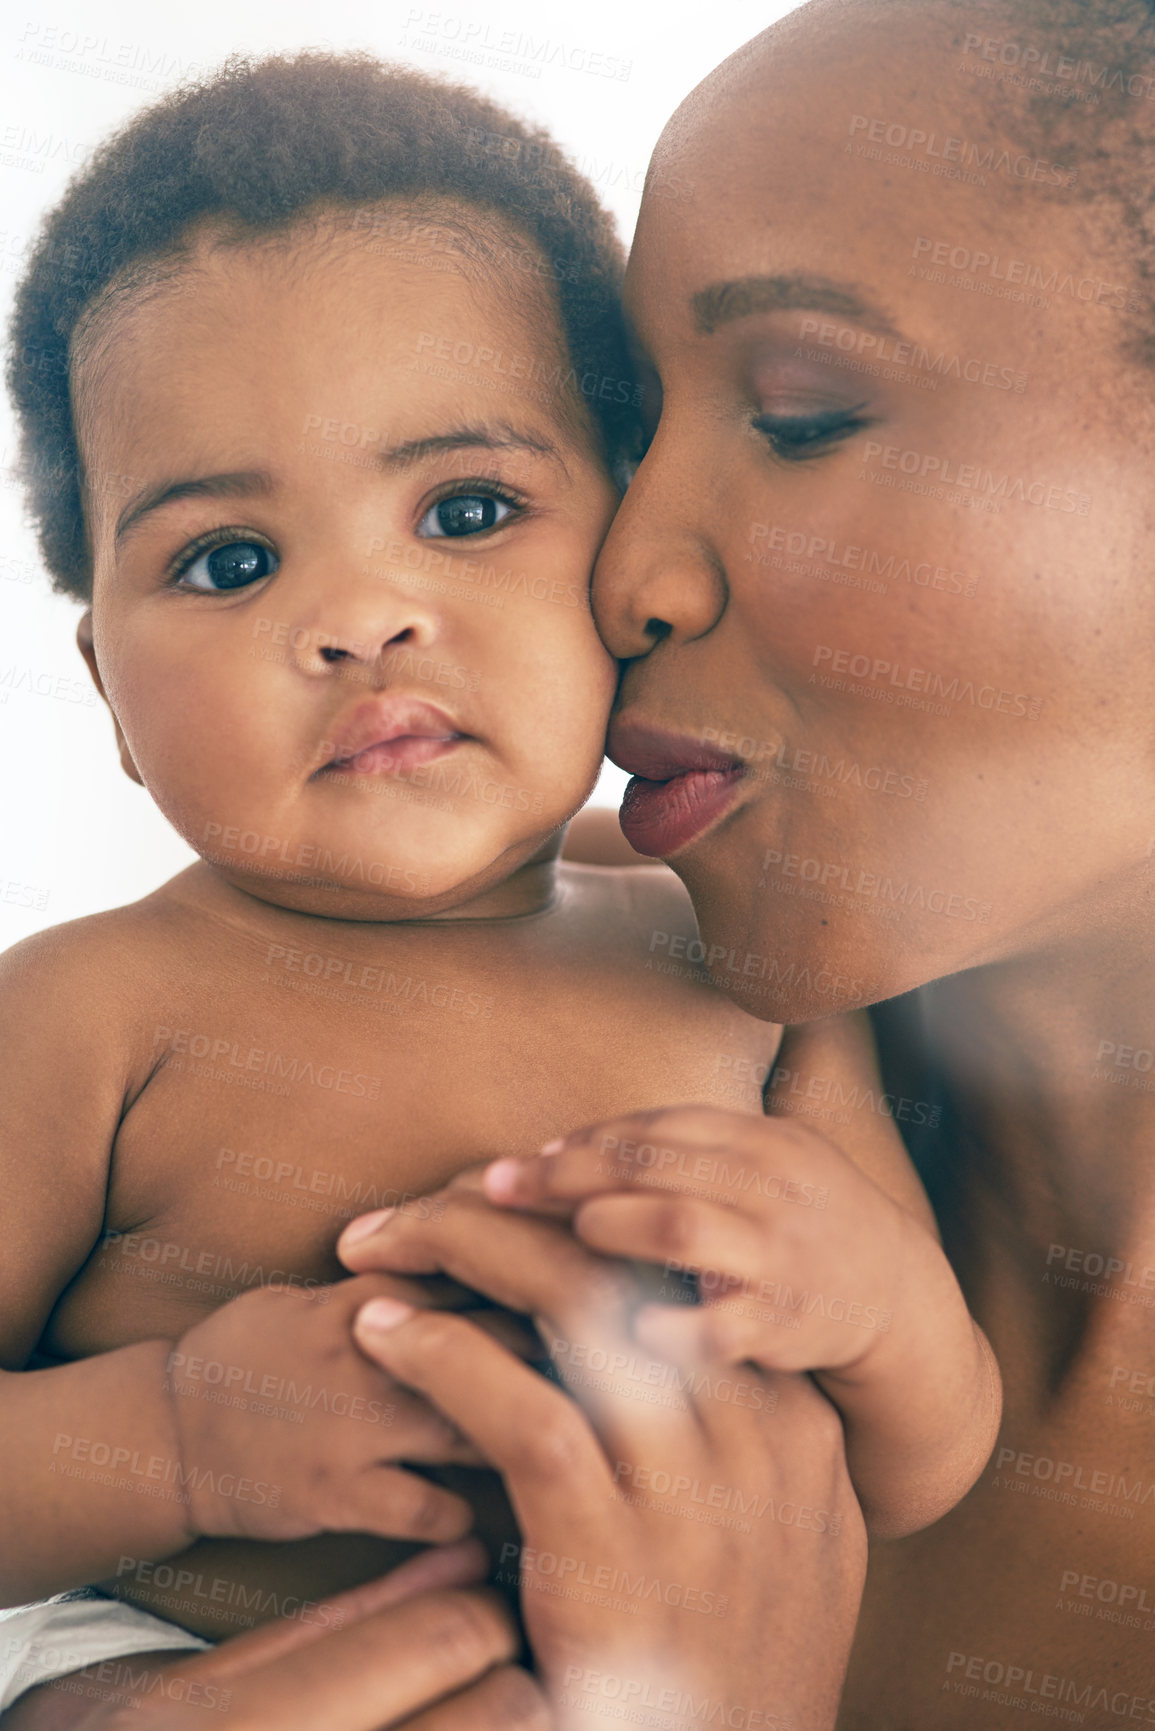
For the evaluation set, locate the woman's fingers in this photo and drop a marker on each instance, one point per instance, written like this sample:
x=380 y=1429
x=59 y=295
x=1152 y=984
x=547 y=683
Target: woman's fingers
x=698 y=1334
x=532 y=1432
x=507 y=1699
x=464 y=1564
x=432 y=1292
x=420 y=1433
x=533 y=1266
x=416 y=1432
x=376 y=1672
x=369 y=1658
x=514 y=1332
x=583 y=1304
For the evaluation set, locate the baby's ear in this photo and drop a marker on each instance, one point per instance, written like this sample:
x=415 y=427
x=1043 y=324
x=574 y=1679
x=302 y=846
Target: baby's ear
x=85 y=644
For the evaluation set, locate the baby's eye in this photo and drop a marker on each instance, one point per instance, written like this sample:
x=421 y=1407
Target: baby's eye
x=797 y=436
x=464 y=514
x=229 y=565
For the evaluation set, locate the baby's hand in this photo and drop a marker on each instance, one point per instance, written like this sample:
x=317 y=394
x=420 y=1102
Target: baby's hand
x=287 y=1430
x=800 y=1262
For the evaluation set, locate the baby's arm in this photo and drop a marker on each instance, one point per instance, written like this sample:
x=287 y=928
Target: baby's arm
x=921 y=1407
x=78 y=1442
x=808 y=1256
x=62 y=1070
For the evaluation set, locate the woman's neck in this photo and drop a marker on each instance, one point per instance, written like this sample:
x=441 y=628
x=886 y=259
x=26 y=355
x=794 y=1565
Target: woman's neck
x=1046 y=1182
x=1049 y=1067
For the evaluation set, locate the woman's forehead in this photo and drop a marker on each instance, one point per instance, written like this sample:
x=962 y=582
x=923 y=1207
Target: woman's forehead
x=995 y=95
x=797 y=107
x=858 y=157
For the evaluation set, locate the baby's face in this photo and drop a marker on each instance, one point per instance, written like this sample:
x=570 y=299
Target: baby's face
x=342 y=614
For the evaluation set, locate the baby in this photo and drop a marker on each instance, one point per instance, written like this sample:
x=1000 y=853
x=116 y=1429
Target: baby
x=324 y=390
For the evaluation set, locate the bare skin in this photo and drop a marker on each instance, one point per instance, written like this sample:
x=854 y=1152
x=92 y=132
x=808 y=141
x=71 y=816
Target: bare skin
x=1029 y=1013
x=259 y=1051
x=448 y=1666
x=375 y=977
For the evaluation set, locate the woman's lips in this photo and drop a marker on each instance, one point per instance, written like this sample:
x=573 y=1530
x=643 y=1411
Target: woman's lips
x=680 y=787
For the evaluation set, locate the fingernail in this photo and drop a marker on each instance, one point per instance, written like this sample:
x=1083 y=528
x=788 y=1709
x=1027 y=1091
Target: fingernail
x=363 y=1226
x=554 y=1147
x=381 y=1314
x=501 y=1179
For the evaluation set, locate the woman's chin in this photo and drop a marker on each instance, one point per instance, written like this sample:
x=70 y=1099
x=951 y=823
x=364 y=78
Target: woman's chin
x=787 y=961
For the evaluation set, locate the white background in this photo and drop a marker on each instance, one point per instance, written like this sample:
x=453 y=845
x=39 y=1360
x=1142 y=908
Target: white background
x=75 y=835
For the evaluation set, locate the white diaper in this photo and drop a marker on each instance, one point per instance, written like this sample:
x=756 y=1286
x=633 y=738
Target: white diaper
x=41 y=1642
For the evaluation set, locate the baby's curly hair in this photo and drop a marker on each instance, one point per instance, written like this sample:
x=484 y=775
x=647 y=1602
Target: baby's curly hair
x=256 y=147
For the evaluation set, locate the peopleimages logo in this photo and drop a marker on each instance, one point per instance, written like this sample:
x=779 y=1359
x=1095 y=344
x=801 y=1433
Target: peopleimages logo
x=718 y=958
x=1039 y=279
x=1035 y=63
x=961 y=153
x=849 y=556
x=972 y=477
x=880 y=672
x=968 y=368
x=1100 y=1481
x=833 y=876
x=1013 y=1685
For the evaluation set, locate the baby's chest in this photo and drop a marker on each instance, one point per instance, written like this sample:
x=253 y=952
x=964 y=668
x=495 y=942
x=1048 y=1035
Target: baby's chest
x=259 y=1136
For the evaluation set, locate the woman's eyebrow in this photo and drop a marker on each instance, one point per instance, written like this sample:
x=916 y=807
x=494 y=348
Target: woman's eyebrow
x=722 y=302
x=238 y=484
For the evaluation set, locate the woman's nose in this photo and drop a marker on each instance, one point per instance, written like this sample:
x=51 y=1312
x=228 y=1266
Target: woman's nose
x=657 y=578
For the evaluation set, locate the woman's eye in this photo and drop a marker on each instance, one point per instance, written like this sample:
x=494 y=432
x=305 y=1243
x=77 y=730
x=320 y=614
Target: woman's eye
x=464 y=514
x=231 y=565
x=797 y=436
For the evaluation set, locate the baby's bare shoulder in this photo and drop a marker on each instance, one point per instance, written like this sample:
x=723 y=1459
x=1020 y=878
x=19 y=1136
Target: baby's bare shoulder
x=72 y=1003
x=87 y=978
x=695 y=1042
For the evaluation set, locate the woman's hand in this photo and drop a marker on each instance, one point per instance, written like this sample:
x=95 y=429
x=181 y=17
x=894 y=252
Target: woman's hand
x=801 y=1262
x=415 y=1650
x=690 y=1538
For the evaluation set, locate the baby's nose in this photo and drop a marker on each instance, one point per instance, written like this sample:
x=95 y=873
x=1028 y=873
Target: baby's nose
x=360 y=631
x=335 y=652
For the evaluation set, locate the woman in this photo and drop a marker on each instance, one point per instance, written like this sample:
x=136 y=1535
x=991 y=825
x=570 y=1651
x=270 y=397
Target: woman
x=905 y=320
x=845 y=409
x=874 y=530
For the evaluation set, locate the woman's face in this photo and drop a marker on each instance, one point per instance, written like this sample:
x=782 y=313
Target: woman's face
x=881 y=581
